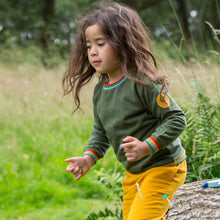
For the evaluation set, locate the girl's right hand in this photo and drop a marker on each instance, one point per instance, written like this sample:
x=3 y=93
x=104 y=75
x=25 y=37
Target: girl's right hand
x=79 y=166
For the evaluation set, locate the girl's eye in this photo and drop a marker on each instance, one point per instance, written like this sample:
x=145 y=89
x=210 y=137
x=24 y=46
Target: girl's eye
x=88 y=46
x=101 y=44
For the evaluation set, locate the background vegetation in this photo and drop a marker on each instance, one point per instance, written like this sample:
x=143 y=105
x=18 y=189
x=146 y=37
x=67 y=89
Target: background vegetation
x=37 y=131
x=50 y=25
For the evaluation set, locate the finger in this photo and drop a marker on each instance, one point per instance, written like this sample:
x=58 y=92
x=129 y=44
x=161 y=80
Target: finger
x=71 y=168
x=72 y=159
x=127 y=146
x=127 y=149
x=130 y=158
x=129 y=139
x=129 y=155
x=78 y=173
x=78 y=176
x=75 y=170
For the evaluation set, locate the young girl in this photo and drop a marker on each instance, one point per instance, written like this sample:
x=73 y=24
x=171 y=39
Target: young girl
x=133 y=112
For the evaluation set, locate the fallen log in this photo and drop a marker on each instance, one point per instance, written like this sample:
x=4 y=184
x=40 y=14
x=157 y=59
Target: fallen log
x=194 y=202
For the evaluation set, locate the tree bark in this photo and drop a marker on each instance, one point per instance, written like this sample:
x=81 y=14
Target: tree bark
x=193 y=202
x=48 y=13
x=183 y=13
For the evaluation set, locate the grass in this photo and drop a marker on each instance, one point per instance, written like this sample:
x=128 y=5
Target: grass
x=37 y=133
x=76 y=209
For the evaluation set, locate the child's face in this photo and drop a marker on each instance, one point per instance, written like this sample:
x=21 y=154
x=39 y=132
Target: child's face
x=100 y=53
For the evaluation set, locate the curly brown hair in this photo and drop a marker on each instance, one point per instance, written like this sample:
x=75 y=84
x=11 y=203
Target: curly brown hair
x=126 y=33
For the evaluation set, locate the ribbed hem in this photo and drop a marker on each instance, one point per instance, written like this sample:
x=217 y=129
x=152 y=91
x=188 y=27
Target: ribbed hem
x=179 y=160
x=153 y=144
x=91 y=153
x=107 y=86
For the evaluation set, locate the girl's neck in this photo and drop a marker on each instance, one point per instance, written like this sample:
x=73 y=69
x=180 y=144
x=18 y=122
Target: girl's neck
x=114 y=78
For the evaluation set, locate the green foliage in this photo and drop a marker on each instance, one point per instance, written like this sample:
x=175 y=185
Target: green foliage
x=106 y=214
x=110 y=180
x=201 y=139
x=27 y=23
x=110 y=183
x=14 y=55
x=36 y=134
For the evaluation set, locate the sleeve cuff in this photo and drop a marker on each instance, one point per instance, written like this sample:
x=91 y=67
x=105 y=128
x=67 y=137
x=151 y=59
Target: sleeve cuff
x=91 y=153
x=153 y=144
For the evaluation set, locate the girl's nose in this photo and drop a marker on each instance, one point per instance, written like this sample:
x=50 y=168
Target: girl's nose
x=93 y=51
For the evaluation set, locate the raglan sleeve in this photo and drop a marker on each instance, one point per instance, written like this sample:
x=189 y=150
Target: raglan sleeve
x=171 y=119
x=98 y=142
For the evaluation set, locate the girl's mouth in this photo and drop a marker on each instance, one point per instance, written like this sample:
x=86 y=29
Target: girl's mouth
x=96 y=62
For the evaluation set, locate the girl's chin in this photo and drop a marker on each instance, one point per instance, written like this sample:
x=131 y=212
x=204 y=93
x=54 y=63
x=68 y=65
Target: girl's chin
x=100 y=72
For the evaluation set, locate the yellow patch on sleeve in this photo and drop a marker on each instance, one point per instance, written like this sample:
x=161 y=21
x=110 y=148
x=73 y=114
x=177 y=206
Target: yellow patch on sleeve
x=163 y=101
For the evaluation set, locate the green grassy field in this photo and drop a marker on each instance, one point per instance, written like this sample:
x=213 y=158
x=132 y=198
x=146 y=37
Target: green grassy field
x=37 y=133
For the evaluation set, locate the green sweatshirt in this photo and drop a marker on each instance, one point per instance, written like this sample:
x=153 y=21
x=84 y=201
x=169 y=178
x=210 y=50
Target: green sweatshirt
x=127 y=108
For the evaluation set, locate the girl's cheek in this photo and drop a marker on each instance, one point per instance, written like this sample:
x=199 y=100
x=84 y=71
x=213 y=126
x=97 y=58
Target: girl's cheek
x=89 y=59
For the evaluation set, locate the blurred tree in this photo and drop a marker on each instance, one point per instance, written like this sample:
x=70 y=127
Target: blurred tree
x=20 y=20
x=51 y=23
x=180 y=20
x=183 y=14
x=48 y=14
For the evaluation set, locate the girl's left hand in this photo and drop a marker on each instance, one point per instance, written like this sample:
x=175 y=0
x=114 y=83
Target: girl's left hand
x=135 y=149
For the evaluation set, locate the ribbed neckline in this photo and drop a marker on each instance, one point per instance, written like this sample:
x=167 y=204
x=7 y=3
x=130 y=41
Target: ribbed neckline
x=107 y=86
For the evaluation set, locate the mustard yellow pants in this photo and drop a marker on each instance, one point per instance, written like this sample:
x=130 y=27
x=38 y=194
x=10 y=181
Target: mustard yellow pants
x=147 y=195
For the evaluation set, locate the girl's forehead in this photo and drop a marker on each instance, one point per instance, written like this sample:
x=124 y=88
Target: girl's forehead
x=94 y=31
